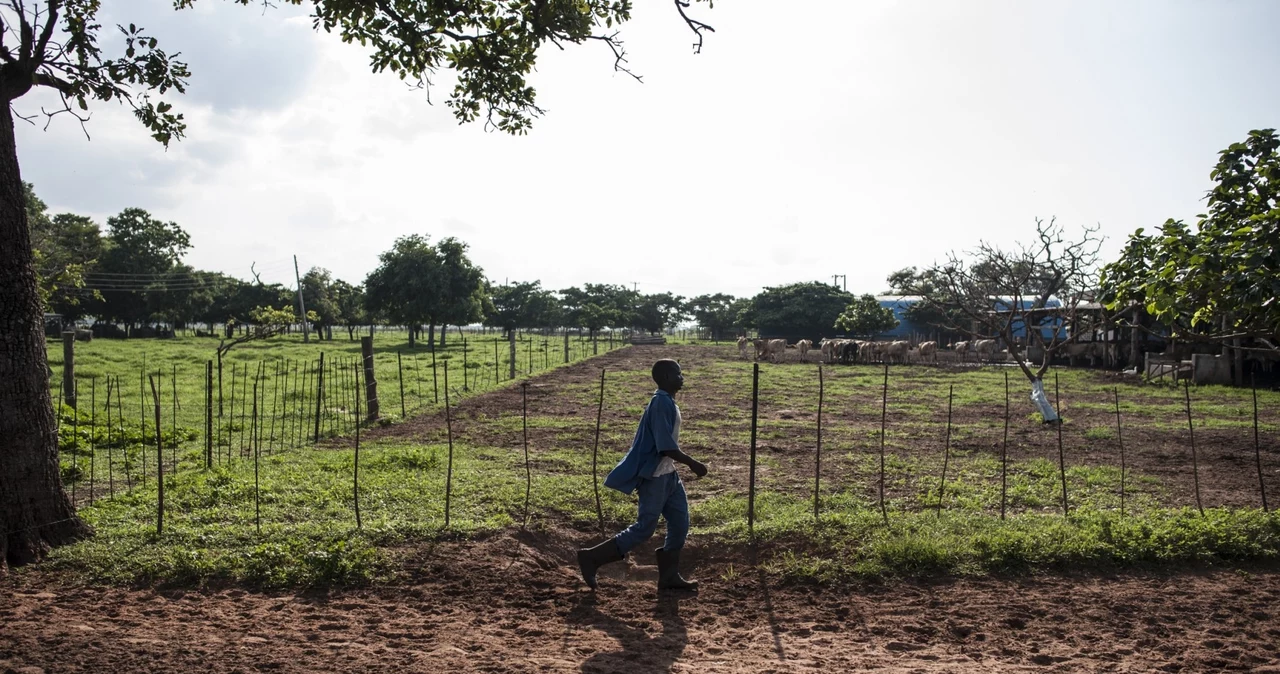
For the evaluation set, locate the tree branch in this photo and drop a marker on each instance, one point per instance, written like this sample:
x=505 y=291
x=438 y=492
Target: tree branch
x=50 y=21
x=696 y=26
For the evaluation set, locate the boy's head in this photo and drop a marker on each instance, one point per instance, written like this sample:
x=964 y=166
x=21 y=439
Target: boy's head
x=666 y=374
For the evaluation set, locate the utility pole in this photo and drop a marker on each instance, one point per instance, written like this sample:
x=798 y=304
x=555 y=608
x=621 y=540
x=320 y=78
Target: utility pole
x=841 y=277
x=306 y=333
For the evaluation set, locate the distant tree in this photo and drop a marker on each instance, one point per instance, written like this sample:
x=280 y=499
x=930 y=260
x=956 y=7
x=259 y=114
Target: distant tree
x=809 y=309
x=910 y=281
x=462 y=298
x=596 y=306
x=404 y=287
x=864 y=317
x=714 y=313
x=66 y=249
x=1218 y=283
x=659 y=311
x=350 y=301
x=141 y=255
x=184 y=296
x=520 y=305
x=319 y=298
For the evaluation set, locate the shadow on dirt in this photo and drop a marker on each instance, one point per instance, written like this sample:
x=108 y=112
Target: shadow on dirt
x=640 y=650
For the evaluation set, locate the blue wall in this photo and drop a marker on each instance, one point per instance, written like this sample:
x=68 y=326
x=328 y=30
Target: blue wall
x=906 y=328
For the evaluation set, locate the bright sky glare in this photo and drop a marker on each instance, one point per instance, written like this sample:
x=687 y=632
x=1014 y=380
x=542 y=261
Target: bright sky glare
x=810 y=138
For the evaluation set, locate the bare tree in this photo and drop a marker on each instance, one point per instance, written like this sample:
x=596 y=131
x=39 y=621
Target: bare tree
x=1021 y=298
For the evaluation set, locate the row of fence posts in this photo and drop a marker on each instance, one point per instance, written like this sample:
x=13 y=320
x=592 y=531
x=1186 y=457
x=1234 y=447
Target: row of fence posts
x=308 y=391
x=1004 y=449
x=362 y=377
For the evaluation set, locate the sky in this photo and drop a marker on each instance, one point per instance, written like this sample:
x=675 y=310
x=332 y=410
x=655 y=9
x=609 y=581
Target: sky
x=809 y=138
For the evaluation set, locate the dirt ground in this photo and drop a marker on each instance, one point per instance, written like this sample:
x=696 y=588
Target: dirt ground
x=513 y=603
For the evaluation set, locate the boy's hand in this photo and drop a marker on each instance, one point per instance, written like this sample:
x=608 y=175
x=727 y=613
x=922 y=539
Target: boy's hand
x=699 y=468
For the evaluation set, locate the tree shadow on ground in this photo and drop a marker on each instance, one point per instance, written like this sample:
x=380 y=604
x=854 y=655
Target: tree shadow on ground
x=641 y=651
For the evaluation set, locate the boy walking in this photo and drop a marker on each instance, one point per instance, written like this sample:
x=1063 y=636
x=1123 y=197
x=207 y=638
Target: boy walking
x=649 y=468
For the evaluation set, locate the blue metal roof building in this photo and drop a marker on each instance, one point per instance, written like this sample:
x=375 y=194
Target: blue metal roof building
x=906 y=329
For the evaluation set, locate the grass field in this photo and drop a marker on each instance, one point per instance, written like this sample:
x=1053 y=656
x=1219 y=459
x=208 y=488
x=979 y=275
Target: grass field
x=304 y=499
x=410 y=381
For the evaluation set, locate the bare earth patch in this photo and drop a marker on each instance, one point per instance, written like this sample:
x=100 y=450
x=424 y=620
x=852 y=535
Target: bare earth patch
x=514 y=603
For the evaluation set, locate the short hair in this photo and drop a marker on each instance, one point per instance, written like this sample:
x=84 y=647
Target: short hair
x=662 y=367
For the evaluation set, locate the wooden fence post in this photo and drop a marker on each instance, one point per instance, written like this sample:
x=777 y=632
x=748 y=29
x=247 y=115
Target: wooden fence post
x=1004 y=451
x=1257 y=451
x=946 y=450
x=595 y=452
x=1120 y=440
x=448 y=424
x=751 y=485
x=400 y=369
x=1191 y=433
x=93 y=433
x=524 y=429
x=817 y=466
x=155 y=394
x=208 y=414
x=511 y=346
x=355 y=477
x=69 y=368
x=884 y=417
x=372 y=405
x=319 y=397
x=1062 y=458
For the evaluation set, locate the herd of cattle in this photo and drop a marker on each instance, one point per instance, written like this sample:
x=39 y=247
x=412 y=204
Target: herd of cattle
x=859 y=351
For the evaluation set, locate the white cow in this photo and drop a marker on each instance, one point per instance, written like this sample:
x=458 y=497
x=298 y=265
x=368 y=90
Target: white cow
x=803 y=347
x=985 y=348
x=896 y=351
x=742 y=347
x=929 y=351
x=777 y=350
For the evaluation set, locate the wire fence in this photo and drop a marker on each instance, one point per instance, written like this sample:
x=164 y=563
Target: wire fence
x=131 y=434
x=131 y=425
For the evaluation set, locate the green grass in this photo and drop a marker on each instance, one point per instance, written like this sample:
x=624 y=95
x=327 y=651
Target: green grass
x=286 y=394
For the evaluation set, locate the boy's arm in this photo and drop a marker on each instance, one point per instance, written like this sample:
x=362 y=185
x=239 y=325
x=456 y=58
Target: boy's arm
x=663 y=428
x=699 y=468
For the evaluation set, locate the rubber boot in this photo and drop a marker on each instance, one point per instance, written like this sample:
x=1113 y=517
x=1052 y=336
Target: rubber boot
x=669 y=572
x=591 y=559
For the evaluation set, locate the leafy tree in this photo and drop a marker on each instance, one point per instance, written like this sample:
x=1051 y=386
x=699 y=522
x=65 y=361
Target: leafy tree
x=714 y=313
x=461 y=292
x=66 y=248
x=910 y=281
x=596 y=306
x=520 y=305
x=808 y=309
x=185 y=295
x=659 y=311
x=141 y=257
x=404 y=287
x=319 y=297
x=420 y=284
x=1218 y=282
x=490 y=46
x=864 y=317
x=351 y=312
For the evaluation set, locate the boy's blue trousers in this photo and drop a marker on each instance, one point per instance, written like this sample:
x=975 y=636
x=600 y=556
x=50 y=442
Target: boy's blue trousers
x=663 y=496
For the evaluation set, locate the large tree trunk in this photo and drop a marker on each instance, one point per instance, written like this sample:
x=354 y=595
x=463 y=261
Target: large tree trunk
x=35 y=513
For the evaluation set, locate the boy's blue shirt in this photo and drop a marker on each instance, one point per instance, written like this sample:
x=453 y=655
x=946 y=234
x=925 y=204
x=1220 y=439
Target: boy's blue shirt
x=655 y=435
